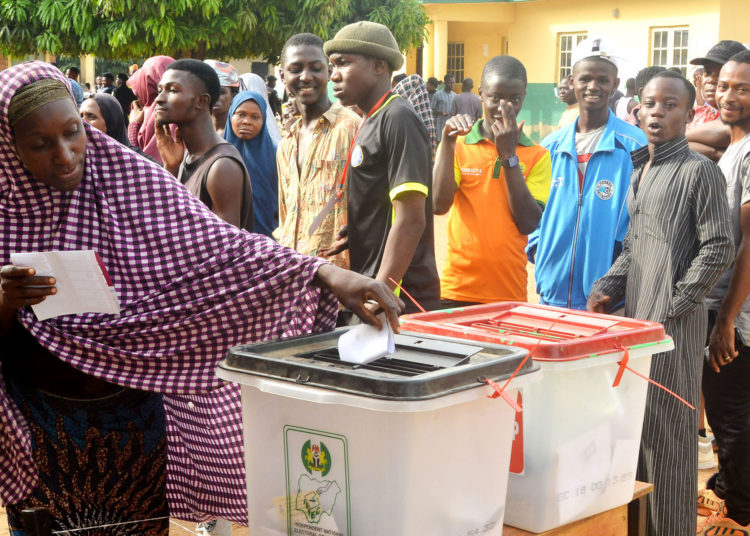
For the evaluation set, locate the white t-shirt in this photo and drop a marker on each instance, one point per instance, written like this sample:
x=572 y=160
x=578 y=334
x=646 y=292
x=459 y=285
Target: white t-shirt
x=586 y=144
x=735 y=165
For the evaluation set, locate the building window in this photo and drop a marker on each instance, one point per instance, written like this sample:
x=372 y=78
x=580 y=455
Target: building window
x=669 y=47
x=456 y=61
x=566 y=42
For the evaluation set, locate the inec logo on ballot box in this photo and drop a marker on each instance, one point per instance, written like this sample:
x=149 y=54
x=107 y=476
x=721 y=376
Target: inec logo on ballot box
x=316 y=457
x=317 y=483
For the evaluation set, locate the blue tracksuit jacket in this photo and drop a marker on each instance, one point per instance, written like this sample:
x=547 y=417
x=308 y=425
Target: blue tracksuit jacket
x=581 y=232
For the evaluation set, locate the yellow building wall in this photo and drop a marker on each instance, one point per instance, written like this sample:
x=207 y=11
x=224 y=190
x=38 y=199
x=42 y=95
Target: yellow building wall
x=530 y=31
x=733 y=23
x=482 y=27
x=472 y=11
x=410 y=65
x=482 y=41
x=533 y=36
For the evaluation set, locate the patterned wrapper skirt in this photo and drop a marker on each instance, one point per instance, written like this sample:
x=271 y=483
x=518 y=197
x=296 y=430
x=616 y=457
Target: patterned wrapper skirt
x=102 y=462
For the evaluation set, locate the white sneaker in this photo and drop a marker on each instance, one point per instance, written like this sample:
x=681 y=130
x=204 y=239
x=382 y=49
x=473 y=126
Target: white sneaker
x=705 y=453
x=216 y=527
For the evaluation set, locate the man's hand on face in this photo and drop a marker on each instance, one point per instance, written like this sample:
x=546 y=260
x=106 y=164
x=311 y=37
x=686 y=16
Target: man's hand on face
x=506 y=131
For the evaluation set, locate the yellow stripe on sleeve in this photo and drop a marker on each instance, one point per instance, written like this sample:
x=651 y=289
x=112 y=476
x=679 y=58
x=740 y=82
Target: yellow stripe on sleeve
x=456 y=172
x=539 y=179
x=409 y=187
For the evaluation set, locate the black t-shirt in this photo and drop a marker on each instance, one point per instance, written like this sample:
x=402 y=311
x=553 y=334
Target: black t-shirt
x=391 y=155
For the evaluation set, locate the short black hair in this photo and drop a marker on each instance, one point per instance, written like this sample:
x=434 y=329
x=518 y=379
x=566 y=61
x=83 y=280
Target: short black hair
x=690 y=88
x=644 y=75
x=302 y=40
x=741 y=57
x=122 y=76
x=203 y=72
x=271 y=79
x=630 y=83
x=468 y=83
x=506 y=67
x=73 y=69
x=109 y=76
x=433 y=81
x=398 y=77
x=447 y=77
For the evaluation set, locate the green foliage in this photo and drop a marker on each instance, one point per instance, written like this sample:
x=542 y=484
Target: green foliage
x=191 y=28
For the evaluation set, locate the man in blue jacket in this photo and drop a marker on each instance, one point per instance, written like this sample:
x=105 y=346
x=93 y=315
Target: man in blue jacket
x=585 y=220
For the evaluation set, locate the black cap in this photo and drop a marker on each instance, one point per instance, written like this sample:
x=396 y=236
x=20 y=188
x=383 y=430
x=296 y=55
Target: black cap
x=720 y=52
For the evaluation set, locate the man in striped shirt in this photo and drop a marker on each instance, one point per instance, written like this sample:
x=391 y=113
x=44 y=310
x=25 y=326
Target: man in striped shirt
x=677 y=246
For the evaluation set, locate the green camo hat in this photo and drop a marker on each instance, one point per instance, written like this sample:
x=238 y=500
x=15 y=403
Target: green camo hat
x=369 y=39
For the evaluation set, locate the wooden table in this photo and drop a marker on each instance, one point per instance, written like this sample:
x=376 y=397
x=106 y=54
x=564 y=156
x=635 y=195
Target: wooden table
x=626 y=520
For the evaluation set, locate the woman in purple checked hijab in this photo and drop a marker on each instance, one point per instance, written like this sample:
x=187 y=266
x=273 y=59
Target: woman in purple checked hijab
x=190 y=287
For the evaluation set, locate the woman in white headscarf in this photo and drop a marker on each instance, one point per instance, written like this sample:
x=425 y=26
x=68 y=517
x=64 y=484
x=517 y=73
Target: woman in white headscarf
x=253 y=82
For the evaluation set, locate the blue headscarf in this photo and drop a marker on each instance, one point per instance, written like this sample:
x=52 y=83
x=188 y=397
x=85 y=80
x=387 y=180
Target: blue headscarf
x=259 y=155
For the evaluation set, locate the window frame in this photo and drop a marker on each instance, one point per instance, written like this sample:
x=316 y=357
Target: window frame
x=456 y=64
x=576 y=36
x=670 y=48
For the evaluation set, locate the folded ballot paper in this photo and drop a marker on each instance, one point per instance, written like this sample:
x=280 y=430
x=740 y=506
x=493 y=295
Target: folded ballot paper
x=83 y=284
x=364 y=343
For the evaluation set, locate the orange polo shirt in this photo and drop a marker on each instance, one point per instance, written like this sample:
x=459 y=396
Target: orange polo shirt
x=486 y=259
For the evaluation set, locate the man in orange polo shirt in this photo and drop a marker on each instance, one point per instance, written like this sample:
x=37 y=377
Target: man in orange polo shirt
x=497 y=182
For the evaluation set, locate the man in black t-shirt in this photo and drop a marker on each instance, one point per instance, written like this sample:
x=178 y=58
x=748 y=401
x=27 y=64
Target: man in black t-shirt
x=390 y=231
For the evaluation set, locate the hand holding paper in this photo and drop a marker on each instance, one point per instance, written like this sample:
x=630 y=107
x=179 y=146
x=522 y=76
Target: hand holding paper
x=21 y=287
x=364 y=343
x=80 y=281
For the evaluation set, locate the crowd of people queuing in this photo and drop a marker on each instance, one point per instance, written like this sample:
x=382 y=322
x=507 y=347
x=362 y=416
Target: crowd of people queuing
x=224 y=217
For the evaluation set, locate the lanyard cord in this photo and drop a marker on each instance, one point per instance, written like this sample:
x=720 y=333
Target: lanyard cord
x=340 y=192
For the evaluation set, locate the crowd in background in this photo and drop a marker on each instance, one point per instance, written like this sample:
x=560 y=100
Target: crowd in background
x=623 y=210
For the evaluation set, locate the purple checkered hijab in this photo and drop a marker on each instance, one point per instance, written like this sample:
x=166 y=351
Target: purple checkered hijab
x=190 y=285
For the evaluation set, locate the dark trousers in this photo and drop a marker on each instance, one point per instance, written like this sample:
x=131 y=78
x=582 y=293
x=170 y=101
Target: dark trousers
x=727 y=396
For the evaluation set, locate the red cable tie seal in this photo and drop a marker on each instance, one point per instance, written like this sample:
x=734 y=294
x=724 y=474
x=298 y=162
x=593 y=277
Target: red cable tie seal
x=624 y=366
x=660 y=386
x=499 y=391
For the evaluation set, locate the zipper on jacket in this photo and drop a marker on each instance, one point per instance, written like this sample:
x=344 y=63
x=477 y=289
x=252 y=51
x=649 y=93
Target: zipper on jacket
x=575 y=245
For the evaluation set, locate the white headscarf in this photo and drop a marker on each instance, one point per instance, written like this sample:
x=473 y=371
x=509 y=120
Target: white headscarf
x=253 y=82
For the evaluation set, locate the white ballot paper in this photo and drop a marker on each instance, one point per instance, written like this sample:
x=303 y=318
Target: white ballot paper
x=82 y=283
x=364 y=343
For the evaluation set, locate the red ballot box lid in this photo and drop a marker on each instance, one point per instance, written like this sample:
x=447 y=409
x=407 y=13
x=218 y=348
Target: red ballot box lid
x=551 y=333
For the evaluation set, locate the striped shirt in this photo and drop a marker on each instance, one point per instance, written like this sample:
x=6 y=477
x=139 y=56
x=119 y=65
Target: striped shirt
x=679 y=241
x=677 y=246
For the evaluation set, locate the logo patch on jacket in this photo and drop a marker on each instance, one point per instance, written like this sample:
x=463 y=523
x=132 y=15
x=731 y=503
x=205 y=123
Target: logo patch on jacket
x=357 y=156
x=604 y=189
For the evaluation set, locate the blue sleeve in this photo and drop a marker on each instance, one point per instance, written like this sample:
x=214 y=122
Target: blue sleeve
x=531 y=247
